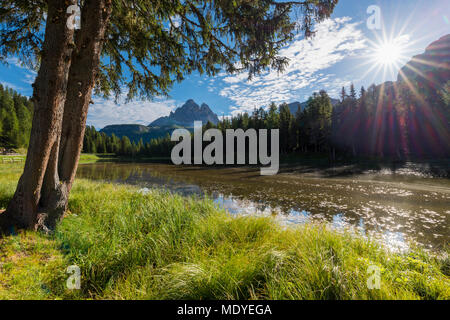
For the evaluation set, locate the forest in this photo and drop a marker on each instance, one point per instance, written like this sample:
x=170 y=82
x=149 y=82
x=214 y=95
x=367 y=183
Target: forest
x=387 y=121
x=15 y=119
x=382 y=121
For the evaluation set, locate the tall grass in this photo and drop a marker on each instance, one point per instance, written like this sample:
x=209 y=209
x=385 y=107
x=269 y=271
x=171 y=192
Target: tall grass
x=130 y=245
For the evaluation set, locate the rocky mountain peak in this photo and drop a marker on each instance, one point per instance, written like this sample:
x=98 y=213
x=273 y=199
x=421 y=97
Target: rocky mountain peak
x=185 y=116
x=432 y=65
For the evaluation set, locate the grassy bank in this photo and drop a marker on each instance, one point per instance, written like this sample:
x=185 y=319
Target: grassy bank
x=84 y=157
x=161 y=246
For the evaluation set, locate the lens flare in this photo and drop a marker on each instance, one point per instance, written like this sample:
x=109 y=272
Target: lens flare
x=388 y=53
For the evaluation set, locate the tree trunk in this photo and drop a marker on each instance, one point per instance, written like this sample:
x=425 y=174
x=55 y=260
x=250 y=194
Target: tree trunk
x=49 y=94
x=82 y=75
x=60 y=117
x=54 y=193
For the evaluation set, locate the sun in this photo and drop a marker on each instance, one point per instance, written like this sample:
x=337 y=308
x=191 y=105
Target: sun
x=388 y=53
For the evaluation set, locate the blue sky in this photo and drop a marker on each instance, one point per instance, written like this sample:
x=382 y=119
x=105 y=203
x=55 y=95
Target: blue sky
x=340 y=53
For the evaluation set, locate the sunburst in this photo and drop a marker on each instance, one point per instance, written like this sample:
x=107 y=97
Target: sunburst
x=388 y=53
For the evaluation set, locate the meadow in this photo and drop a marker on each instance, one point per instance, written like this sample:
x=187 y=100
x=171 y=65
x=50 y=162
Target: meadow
x=131 y=245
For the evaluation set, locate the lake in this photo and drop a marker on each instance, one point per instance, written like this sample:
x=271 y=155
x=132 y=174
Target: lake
x=398 y=206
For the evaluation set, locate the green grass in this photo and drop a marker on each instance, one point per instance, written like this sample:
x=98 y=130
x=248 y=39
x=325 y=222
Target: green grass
x=91 y=158
x=84 y=158
x=11 y=159
x=162 y=246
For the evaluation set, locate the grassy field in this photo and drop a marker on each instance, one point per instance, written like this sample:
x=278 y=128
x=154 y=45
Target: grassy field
x=130 y=245
x=84 y=158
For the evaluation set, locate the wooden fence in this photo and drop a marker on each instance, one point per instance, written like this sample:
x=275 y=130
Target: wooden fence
x=12 y=160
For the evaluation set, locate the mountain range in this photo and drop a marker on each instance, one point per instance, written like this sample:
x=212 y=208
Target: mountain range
x=183 y=117
x=294 y=106
x=429 y=69
x=431 y=66
x=186 y=115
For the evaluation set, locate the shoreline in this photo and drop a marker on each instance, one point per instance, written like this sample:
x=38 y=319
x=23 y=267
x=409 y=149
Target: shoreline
x=319 y=165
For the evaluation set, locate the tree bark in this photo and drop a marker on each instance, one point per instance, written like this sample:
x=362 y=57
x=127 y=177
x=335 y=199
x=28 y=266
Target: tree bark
x=62 y=95
x=49 y=94
x=82 y=76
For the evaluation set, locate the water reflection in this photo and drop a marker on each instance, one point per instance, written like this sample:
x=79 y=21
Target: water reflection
x=394 y=208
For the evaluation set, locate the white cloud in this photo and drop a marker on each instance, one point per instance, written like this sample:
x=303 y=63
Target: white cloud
x=11 y=85
x=16 y=62
x=106 y=112
x=29 y=78
x=22 y=85
x=336 y=39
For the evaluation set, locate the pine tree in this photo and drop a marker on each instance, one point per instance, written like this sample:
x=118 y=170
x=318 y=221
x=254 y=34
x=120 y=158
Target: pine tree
x=140 y=146
x=352 y=92
x=362 y=93
x=10 y=125
x=273 y=117
x=343 y=94
x=285 y=122
x=24 y=119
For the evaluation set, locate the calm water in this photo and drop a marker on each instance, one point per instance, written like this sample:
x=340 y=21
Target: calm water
x=396 y=207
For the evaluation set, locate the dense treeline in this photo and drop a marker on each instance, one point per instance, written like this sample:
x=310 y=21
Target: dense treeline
x=99 y=142
x=388 y=121
x=16 y=113
x=396 y=120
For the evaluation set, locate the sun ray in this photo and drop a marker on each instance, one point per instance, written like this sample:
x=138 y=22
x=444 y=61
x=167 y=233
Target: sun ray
x=418 y=72
x=430 y=63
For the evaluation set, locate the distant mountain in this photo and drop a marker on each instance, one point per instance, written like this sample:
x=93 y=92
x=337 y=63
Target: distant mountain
x=183 y=117
x=431 y=66
x=124 y=129
x=186 y=115
x=135 y=131
x=430 y=69
x=293 y=107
